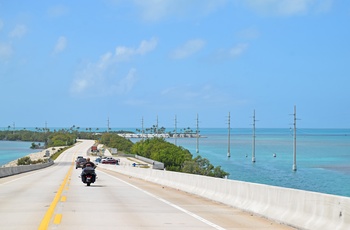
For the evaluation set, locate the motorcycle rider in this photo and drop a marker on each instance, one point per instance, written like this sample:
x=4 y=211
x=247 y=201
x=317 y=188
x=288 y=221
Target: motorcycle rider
x=88 y=163
x=87 y=166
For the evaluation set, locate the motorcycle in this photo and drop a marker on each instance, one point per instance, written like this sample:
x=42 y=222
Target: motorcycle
x=88 y=175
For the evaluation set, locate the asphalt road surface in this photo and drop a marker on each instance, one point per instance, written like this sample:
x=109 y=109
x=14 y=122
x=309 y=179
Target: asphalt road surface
x=55 y=198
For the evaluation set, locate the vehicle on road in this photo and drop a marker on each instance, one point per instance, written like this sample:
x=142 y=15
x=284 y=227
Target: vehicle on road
x=78 y=157
x=88 y=175
x=110 y=160
x=98 y=160
x=94 y=148
x=79 y=162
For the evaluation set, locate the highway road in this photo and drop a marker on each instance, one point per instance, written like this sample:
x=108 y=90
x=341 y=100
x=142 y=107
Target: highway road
x=55 y=198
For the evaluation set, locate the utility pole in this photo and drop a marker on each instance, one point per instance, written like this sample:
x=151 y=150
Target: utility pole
x=157 y=127
x=295 y=140
x=142 y=128
x=197 y=132
x=229 y=136
x=175 y=131
x=253 y=152
x=108 y=125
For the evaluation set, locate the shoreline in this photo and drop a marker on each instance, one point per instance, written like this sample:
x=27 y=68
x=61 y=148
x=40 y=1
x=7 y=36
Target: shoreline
x=34 y=156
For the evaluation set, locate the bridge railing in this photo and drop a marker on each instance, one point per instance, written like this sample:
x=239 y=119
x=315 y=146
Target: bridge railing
x=9 y=171
x=297 y=208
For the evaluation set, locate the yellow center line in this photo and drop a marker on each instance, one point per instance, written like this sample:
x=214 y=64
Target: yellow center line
x=57 y=219
x=46 y=220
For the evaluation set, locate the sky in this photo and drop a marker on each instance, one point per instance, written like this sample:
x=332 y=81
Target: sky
x=131 y=62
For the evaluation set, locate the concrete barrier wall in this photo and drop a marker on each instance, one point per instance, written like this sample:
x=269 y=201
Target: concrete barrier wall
x=9 y=171
x=297 y=208
x=155 y=164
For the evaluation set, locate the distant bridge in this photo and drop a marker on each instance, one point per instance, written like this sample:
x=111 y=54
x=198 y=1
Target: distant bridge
x=162 y=135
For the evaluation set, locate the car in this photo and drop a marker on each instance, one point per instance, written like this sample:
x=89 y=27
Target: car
x=79 y=162
x=98 y=160
x=109 y=160
x=78 y=157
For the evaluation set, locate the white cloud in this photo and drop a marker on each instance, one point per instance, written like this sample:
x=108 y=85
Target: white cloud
x=79 y=85
x=94 y=81
x=6 y=51
x=288 y=7
x=61 y=45
x=127 y=83
x=57 y=11
x=154 y=10
x=105 y=60
x=18 y=32
x=125 y=53
x=237 y=50
x=147 y=46
x=102 y=74
x=189 y=48
x=324 y=6
x=232 y=52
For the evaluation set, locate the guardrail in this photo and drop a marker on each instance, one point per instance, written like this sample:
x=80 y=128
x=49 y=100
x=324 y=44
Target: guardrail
x=9 y=171
x=296 y=208
x=155 y=164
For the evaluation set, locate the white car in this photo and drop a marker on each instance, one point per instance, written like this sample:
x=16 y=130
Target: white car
x=109 y=160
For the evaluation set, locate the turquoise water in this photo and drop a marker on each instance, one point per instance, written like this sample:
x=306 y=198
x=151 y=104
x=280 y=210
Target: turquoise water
x=12 y=150
x=323 y=157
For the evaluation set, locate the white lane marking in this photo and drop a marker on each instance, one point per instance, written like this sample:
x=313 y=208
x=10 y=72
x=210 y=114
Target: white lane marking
x=171 y=204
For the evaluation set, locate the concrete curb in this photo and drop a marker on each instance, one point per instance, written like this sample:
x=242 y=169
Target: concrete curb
x=9 y=171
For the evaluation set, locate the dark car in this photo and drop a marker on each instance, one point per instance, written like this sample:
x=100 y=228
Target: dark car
x=79 y=162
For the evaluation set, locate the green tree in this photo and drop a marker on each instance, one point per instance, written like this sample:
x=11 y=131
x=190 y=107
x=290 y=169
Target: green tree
x=202 y=166
x=158 y=149
x=176 y=158
x=113 y=140
x=24 y=161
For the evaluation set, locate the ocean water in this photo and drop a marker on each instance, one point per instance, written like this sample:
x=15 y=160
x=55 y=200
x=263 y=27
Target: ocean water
x=323 y=157
x=13 y=150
